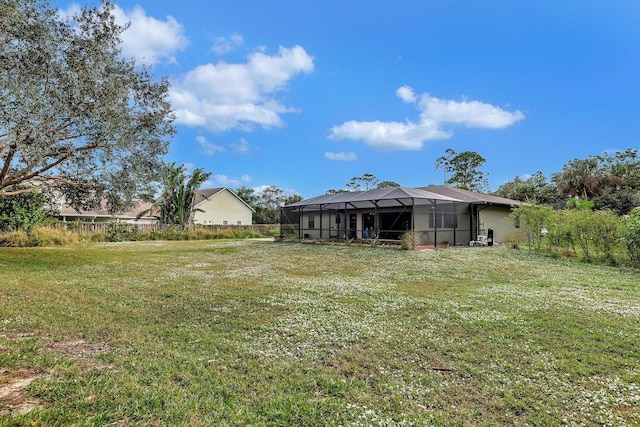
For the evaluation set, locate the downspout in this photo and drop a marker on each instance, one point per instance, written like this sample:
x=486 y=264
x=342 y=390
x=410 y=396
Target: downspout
x=300 y=222
x=455 y=212
x=435 y=225
x=320 y=222
x=413 y=221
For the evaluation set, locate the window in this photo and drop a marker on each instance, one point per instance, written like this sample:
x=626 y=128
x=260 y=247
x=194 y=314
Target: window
x=239 y=222
x=440 y=219
x=449 y=220
x=312 y=222
x=225 y=222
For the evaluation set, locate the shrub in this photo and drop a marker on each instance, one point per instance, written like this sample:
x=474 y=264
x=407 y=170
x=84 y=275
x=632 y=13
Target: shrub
x=532 y=220
x=14 y=239
x=39 y=236
x=408 y=241
x=605 y=231
x=630 y=232
x=22 y=211
x=49 y=236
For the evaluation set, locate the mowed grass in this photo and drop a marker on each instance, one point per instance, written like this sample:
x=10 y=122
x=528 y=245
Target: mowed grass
x=261 y=333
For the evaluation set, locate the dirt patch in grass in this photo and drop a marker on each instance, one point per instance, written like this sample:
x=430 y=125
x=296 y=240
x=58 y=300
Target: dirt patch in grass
x=14 y=398
x=78 y=348
x=83 y=352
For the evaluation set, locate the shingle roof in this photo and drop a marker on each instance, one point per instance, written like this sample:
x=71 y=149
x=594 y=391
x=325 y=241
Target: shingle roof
x=102 y=212
x=202 y=195
x=470 y=196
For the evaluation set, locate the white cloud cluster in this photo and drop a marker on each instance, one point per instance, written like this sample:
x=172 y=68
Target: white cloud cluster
x=435 y=113
x=226 y=181
x=223 y=44
x=341 y=156
x=210 y=149
x=147 y=40
x=223 y=96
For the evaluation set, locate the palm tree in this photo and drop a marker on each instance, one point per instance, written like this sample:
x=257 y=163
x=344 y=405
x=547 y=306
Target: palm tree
x=582 y=178
x=176 y=204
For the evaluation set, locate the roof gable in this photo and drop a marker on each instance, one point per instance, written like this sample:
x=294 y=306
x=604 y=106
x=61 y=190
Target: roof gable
x=209 y=193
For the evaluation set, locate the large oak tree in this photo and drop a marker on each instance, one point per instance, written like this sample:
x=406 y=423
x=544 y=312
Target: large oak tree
x=75 y=116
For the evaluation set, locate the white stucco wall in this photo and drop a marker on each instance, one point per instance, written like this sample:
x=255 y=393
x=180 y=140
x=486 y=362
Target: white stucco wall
x=223 y=206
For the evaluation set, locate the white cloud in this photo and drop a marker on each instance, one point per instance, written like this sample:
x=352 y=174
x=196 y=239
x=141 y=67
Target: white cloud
x=389 y=135
x=72 y=10
x=208 y=148
x=435 y=114
x=225 y=44
x=469 y=113
x=241 y=147
x=340 y=156
x=148 y=40
x=406 y=94
x=225 y=181
x=223 y=96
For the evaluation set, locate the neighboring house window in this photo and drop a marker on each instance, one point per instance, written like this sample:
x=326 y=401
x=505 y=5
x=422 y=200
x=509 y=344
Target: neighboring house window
x=225 y=222
x=312 y=221
x=239 y=222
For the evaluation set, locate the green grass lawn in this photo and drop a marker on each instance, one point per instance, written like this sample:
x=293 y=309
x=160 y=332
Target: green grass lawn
x=261 y=333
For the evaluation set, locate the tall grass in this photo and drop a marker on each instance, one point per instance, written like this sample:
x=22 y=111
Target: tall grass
x=258 y=333
x=55 y=236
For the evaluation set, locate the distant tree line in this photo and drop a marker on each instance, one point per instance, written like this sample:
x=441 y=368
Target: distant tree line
x=267 y=202
x=610 y=181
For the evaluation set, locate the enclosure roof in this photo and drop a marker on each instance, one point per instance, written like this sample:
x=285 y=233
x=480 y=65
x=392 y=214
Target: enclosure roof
x=380 y=197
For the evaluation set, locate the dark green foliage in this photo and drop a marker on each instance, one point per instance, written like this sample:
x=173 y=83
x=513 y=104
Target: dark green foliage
x=534 y=189
x=22 y=211
x=621 y=202
x=611 y=181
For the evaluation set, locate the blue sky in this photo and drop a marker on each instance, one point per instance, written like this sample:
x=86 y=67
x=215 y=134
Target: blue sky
x=306 y=95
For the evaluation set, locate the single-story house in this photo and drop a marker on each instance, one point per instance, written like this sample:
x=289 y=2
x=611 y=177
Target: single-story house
x=438 y=215
x=68 y=214
x=221 y=206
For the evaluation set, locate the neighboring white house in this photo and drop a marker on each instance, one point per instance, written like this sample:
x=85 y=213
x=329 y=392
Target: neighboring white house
x=221 y=206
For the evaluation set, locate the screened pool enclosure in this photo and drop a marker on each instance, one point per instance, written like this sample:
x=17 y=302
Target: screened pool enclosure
x=385 y=214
